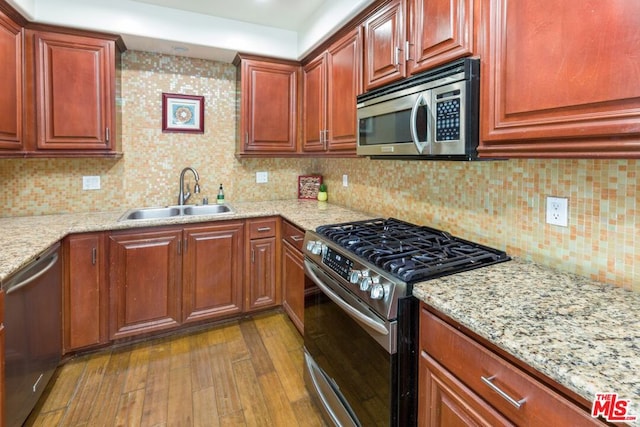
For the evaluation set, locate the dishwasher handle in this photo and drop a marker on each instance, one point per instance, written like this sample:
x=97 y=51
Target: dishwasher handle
x=52 y=260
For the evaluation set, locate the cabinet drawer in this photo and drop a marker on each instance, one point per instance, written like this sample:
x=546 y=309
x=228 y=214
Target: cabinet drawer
x=471 y=362
x=260 y=228
x=293 y=235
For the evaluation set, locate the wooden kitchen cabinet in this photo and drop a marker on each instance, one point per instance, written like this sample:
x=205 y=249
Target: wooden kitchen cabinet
x=554 y=84
x=268 y=100
x=452 y=391
x=331 y=83
x=440 y=31
x=293 y=277
x=384 y=46
x=11 y=75
x=2 y=350
x=145 y=278
x=262 y=287
x=85 y=306
x=70 y=102
x=212 y=277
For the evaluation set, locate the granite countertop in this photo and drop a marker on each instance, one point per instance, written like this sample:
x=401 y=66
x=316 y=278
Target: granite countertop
x=583 y=334
x=22 y=239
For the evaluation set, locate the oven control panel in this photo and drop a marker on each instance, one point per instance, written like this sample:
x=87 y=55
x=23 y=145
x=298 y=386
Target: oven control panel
x=337 y=263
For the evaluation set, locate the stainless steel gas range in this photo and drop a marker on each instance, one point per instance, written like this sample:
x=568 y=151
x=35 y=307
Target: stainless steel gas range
x=361 y=329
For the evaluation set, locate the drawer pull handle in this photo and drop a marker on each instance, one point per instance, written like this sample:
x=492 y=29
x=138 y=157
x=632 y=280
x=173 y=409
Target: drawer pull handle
x=297 y=238
x=505 y=396
x=263 y=229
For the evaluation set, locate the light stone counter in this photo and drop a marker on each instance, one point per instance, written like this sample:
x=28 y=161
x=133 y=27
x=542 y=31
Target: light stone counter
x=24 y=238
x=583 y=334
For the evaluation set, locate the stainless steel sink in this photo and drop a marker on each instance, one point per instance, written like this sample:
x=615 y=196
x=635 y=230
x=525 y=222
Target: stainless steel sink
x=206 y=209
x=175 y=211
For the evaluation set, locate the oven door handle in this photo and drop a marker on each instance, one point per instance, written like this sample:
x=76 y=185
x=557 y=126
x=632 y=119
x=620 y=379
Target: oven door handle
x=355 y=314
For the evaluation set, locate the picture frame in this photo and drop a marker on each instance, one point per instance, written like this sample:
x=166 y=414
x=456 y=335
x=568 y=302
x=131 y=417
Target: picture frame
x=182 y=113
x=308 y=186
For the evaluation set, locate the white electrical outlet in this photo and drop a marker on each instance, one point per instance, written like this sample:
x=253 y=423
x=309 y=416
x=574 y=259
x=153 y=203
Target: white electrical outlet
x=345 y=180
x=90 y=182
x=558 y=211
x=262 y=177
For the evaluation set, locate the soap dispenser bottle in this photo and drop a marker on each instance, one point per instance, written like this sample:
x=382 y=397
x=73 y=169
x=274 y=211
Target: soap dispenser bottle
x=220 y=198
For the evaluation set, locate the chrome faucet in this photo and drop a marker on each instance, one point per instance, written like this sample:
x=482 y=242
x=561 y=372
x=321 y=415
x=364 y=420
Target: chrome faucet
x=182 y=196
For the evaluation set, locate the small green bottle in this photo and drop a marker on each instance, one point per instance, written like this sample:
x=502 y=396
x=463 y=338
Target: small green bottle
x=220 y=198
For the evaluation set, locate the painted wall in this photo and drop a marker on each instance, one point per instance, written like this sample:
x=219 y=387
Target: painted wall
x=499 y=203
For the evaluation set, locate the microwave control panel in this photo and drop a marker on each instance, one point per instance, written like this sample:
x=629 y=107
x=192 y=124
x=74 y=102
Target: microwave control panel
x=448 y=116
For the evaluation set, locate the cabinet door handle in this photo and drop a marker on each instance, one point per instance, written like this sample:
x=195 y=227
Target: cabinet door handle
x=94 y=256
x=263 y=229
x=107 y=134
x=407 y=51
x=297 y=238
x=397 y=59
x=502 y=393
x=180 y=247
x=253 y=256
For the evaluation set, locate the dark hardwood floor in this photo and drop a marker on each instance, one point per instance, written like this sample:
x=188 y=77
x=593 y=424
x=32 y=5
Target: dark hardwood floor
x=243 y=373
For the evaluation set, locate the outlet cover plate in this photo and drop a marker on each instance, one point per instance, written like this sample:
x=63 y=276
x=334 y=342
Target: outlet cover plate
x=557 y=211
x=91 y=182
x=345 y=180
x=262 y=177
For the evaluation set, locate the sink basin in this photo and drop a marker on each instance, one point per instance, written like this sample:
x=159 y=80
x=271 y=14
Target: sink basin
x=206 y=209
x=152 y=213
x=175 y=211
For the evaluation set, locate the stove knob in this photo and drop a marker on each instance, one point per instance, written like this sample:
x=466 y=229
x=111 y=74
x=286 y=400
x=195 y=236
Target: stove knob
x=377 y=291
x=310 y=245
x=317 y=248
x=354 y=276
x=365 y=283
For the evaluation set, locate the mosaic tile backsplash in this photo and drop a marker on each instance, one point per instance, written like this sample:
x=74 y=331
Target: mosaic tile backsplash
x=498 y=203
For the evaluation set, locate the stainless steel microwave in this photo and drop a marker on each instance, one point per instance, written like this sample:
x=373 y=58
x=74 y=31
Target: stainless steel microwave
x=432 y=115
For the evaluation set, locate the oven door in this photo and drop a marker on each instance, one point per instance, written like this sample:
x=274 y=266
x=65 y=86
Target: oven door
x=350 y=356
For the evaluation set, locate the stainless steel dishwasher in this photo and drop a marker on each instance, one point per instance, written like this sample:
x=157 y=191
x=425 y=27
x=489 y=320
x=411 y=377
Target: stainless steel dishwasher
x=33 y=336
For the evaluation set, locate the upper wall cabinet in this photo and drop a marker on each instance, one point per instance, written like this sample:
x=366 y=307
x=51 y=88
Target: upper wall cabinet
x=331 y=83
x=440 y=31
x=384 y=45
x=71 y=104
x=560 y=80
x=11 y=72
x=268 y=102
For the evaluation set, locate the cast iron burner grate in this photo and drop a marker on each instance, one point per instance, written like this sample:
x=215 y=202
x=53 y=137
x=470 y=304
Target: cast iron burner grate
x=410 y=252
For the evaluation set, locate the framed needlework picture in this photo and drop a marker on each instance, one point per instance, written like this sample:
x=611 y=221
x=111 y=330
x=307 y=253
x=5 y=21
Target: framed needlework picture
x=182 y=113
x=308 y=186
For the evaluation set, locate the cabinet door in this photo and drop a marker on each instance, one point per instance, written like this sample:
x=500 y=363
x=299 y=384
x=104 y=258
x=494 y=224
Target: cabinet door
x=444 y=401
x=212 y=278
x=145 y=268
x=262 y=290
x=293 y=284
x=344 y=81
x=85 y=298
x=268 y=107
x=11 y=72
x=75 y=89
x=440 y=31
x=554 y=84
x=384 y=46
x=315 y=104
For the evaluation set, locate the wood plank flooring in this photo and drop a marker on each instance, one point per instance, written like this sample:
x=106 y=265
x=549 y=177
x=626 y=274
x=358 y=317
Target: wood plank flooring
x=243 y=373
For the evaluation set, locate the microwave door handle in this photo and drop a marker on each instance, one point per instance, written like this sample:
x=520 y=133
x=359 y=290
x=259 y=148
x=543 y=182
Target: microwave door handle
x=420 y=145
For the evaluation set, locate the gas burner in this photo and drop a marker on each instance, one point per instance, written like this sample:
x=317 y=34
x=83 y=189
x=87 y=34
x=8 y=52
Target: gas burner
x=407 y=251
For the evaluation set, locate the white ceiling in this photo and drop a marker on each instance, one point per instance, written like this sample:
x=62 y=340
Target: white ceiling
x=284 y=14
x=208 y=29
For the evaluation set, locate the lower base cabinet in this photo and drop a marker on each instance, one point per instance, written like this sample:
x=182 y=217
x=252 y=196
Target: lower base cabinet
x=293 y=278
x=212 y=277
x=145 y=270
x=85 y=292
x=452 y=391
x=262 y=286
